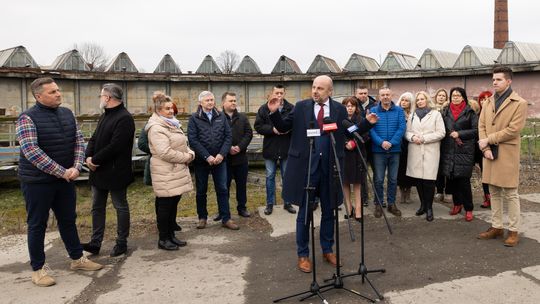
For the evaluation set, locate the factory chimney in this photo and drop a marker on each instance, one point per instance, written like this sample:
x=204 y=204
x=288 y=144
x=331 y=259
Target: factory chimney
x=500 y=29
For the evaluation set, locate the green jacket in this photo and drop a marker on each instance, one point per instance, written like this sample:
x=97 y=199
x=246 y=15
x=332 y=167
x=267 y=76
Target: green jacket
x=143 y=146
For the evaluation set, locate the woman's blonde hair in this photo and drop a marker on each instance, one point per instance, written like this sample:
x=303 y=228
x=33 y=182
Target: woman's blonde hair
x=429 y=101
x=159 y=98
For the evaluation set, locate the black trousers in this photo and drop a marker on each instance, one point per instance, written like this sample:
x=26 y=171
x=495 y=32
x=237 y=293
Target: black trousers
x=120 y=203
x=442 y=184
x=240 y=174
x=426 y=191
x=462 y=192
x=166 y=208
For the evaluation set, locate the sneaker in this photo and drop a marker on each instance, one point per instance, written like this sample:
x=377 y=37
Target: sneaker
x=394 y=210
x=289 y=208
x=85 y=264
x=268 y=210
x=378 y=211
x=41 y=278
x=118 y=250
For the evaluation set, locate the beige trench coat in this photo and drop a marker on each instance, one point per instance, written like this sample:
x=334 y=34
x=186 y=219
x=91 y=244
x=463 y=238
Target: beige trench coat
x=170 y=158
x=503 y=129
x=423 y=159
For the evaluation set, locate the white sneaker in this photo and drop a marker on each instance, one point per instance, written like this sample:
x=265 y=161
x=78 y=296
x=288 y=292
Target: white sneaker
x=41 y=278
x=85 y=264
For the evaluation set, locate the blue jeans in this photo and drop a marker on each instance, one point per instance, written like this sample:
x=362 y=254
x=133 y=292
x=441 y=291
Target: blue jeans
x=219 y=175
x=40 y=198
x=271 y=167
x=385 y=163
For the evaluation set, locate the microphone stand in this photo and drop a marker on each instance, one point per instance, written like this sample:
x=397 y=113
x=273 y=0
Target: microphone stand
x=337 y=278
x=314 y=288
x=362 y=268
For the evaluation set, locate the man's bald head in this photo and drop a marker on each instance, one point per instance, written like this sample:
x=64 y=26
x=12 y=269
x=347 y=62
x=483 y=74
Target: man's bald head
x=322 y=88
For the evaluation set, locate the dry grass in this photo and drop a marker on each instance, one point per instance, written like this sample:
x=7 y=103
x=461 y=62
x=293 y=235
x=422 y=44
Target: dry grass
x=141 y=203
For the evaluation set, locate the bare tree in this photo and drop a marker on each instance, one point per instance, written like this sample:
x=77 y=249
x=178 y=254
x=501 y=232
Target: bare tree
x=94 y=55
x=228 y=61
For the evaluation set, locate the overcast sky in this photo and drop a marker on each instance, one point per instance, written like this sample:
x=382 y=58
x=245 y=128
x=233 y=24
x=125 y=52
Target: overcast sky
x=300 y=29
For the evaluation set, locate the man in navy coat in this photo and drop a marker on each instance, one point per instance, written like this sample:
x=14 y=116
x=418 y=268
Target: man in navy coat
x=309 y=114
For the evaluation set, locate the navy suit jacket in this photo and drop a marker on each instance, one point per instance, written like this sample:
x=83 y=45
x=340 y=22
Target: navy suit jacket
x=297 y=164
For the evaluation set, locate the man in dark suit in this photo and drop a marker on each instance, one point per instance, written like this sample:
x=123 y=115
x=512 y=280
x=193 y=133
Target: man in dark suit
x=309 y=114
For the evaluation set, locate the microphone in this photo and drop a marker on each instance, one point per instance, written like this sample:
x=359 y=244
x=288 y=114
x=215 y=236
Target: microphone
x=353 y=129
x=312 y=131
x=329 y=125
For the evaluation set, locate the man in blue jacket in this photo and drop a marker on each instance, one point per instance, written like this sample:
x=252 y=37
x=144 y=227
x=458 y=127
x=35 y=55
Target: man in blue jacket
x=386 y=138
x=210 y=136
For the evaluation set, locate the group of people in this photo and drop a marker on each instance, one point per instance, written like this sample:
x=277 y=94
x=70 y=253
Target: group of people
x=413 y=142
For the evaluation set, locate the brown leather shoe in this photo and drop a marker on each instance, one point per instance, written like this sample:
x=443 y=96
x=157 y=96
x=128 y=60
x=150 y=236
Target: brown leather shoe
x=512 y=239
x=304 y=264
x=378 y=211
x=394 y=210
x=230 y=225
x=201 y=224
x=491 y=233
x=331 y=258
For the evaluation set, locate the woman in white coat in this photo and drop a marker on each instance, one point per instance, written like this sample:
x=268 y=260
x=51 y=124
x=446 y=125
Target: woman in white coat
x=425 y=130
x=168 y=167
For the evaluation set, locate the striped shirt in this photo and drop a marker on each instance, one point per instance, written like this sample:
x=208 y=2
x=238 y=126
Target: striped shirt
x=28 y=140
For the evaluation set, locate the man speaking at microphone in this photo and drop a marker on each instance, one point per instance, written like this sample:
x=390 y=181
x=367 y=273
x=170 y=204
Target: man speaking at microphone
x=309 y=114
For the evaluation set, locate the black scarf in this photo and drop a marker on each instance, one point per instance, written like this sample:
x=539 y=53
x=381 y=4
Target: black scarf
x=500 y=99
x=422 y=112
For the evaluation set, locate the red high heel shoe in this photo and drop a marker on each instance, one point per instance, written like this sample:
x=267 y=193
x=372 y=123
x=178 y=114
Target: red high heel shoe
x=468 y=216
x=456 y=209
x=487 y=201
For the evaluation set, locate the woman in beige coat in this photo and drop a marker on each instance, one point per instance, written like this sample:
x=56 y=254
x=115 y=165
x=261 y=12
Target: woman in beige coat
x=425 y=129
x=168 y=167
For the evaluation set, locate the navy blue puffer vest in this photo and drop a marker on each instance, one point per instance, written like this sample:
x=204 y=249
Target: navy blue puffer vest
x=56 y=129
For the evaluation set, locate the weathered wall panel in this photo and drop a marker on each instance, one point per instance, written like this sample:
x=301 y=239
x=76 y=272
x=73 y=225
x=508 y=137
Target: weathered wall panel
x=11 y=96
x=186 y=94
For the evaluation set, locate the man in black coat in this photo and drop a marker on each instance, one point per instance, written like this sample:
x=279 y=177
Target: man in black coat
x=237 y=161
x=366 y=102
x=275 y=146
x=308 y=114
x=108 y=155
x=209 y=135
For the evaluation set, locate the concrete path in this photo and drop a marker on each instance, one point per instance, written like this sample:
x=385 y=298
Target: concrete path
x=437 y=262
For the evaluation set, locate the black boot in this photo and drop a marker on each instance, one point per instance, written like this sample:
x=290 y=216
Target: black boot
x=429 y=210
x=167 y=245
x=422 y=209
x=177 y=242
x=429 y=215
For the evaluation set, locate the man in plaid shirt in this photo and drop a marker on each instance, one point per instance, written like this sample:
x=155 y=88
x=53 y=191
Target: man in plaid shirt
x=52 y=153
